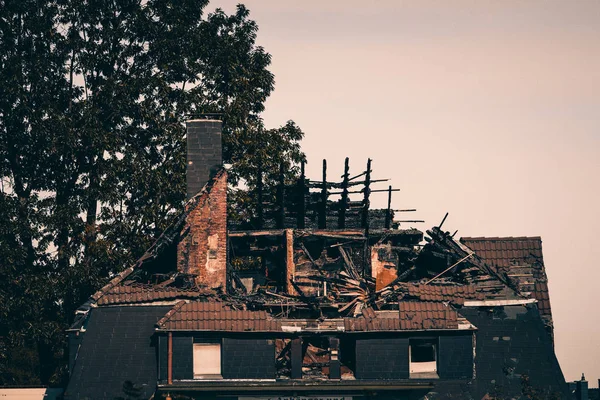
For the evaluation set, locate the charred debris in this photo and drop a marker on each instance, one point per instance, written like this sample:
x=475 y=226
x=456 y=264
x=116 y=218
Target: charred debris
x=319 y=259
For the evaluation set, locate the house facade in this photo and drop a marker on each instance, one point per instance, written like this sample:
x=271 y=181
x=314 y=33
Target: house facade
x=321 y=297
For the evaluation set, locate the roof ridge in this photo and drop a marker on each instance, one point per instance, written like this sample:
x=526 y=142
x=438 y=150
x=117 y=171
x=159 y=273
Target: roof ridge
x=483 y=238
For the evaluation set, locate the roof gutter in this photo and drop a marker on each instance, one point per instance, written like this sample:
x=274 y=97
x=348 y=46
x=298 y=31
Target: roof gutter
x=495 y=303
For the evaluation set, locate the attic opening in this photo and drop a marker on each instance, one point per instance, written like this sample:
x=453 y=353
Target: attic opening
x=423 y=358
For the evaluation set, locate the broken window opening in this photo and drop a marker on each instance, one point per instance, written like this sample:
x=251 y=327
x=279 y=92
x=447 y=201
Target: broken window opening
x=207 y=361
x=423 y=358
x=320 y=358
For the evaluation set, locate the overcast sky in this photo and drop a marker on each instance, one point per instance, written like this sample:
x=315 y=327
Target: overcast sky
x=488 y=110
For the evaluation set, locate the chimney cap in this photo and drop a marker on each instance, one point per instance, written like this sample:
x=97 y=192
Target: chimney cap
x=205 y=117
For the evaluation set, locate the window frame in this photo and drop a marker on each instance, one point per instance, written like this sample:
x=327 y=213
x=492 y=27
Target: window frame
x=428 y=369
x=207 y=343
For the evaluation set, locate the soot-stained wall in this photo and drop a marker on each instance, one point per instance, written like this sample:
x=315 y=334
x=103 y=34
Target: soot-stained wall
x=455 y=357
x=183 y=357
x=248 y=359
x=382 y=358
x=511 y=343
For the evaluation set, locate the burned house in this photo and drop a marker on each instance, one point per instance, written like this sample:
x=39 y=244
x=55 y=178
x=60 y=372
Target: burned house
x=321 y=297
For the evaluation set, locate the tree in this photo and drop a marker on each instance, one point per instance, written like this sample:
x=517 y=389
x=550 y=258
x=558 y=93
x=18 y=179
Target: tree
x=92 y=149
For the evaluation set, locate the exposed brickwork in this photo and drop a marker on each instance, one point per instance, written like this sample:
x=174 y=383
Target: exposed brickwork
x=383 y=265
x=248 y=358
x=202 y=250
x=204 y=153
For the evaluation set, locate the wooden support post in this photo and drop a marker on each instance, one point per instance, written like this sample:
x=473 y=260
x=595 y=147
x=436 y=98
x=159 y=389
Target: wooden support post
x=170 y=359
x=366 y=267
x=323 y=209
x=367 y=193
x=442 y=223
x=301 y=210
x=344 y=199
x=388 y=214
x=335 y=370
x=281 y=198
x=290 y=266
x=296 y=358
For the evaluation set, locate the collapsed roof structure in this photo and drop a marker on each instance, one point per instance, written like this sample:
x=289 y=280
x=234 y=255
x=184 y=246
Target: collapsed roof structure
x=320 y=295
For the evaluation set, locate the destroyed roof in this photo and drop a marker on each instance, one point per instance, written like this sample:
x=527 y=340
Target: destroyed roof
x=455 y=294
x=216 y=316
x=468 y=268
x=164 y=241
x=521 y=260
x=412 y=315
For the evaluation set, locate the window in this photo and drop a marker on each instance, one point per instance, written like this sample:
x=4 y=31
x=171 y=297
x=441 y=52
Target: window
x=207 y=361
x=423 y=358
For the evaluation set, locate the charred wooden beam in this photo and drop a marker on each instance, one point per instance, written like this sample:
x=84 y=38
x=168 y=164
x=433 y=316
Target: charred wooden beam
x=296 y=358
x=270 y=232
x=350 y=267
x=443 y=220
x=344 y=199
x=363 y=191
x=367 y=193
x=290 y=267
x=323 y=205
x=339 y=185
x=388 y=214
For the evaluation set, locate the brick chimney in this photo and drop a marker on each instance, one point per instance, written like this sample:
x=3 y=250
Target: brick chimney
x=202 y=249
x=204 y=153
x=581 y=393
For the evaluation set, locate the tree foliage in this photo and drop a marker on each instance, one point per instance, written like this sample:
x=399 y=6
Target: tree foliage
x=92 y=147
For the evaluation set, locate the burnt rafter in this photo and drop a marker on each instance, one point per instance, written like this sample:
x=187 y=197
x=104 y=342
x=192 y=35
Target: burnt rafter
x=322 y=204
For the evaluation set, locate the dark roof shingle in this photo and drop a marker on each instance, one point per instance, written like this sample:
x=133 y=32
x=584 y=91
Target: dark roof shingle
x=116 y=348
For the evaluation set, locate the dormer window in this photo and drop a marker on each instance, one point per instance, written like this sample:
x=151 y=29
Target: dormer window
x=423 y=358
x=207 y=361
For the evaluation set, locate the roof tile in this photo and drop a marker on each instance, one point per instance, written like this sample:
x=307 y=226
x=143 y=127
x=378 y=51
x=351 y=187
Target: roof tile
x=525 y=251
x=215 y=316
x=136 y=294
